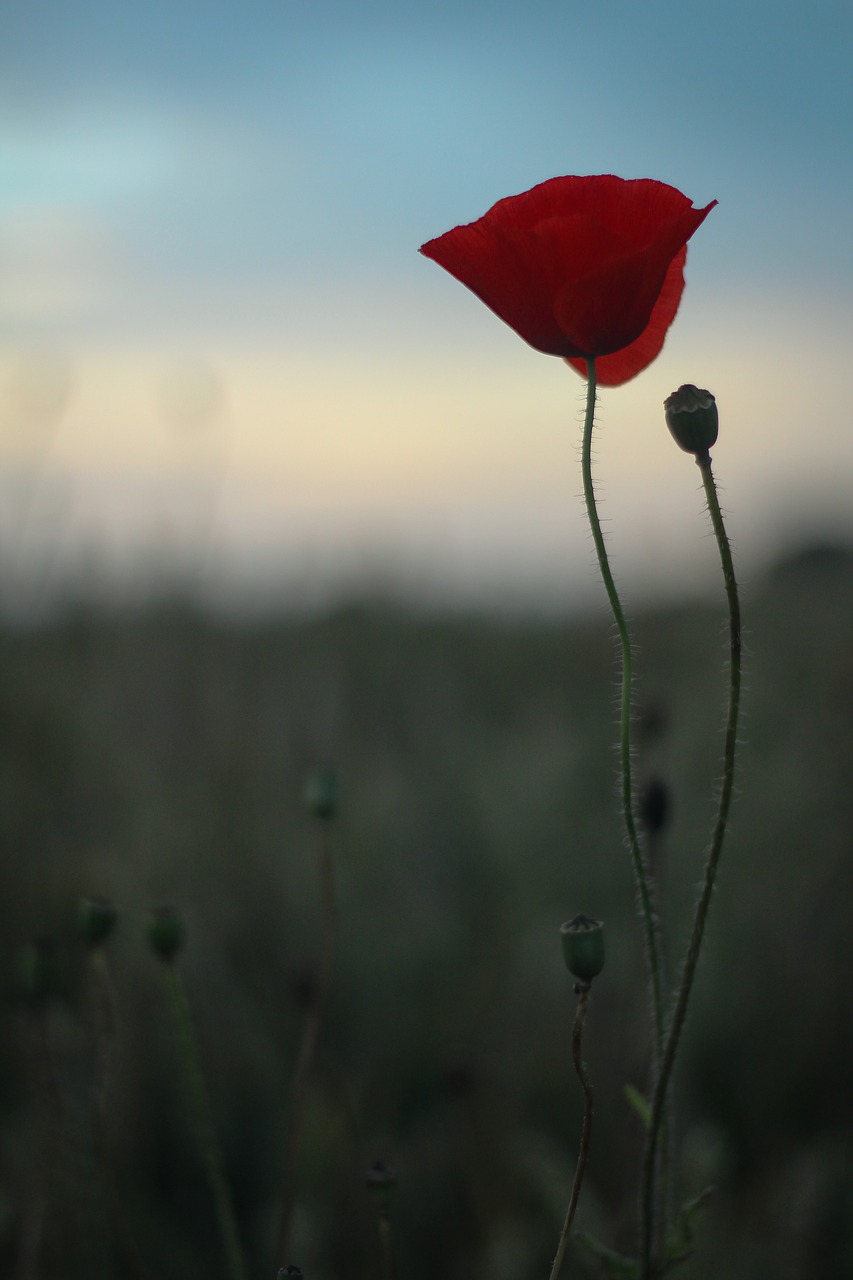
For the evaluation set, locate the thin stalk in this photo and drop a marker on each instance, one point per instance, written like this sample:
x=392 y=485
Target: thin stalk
x=650 y=920
x=389 y=1264
x=582 y=989
x=203 y=1123
x=694 y=948
x=310 y=1036
x=105 y=1033
x=35 y=1212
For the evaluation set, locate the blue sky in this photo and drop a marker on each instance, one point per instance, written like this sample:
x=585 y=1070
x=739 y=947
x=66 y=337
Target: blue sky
x=208 y=241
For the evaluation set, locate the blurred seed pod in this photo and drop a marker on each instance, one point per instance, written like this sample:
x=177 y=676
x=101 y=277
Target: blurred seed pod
x=166 y=932
x=583 y=947
x=654 y=806
x=96 y=920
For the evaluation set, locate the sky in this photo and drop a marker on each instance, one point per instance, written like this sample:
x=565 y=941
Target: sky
x=223 y=359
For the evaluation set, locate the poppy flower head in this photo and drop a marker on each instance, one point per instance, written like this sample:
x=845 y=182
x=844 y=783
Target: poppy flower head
x=580 y=267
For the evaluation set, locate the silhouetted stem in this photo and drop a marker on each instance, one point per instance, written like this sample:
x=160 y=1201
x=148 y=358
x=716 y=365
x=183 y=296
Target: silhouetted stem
x=105 y=1038
x=32 y=1230
x=310 y=1036
x=203 y=1123
x=387 y=1246
x=673 y=1038
x=650 y=921
x=586 y=1131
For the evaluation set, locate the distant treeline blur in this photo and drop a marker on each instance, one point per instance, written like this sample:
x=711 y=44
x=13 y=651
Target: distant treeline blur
x=159 y=757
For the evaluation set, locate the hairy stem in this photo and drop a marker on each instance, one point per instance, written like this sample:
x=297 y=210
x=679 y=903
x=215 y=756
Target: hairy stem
x=650 y=921
x=694 y=948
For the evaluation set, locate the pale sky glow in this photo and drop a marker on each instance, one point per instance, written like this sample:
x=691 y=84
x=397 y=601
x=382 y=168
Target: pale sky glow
x=219 y=345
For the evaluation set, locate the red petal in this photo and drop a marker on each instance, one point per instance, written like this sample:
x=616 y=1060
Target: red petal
x=621 y=366
x=580 y=266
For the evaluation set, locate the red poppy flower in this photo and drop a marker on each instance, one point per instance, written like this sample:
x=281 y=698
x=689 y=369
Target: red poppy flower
x=581 y=267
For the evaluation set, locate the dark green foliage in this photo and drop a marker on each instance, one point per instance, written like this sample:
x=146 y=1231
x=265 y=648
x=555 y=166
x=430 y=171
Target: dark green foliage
x=164 y=756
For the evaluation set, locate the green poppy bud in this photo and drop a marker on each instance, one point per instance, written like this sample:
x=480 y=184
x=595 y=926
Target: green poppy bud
x=691 y=415
x=583 y=947
x=166 y=932
x=96 y=919
x=321 y=793
x=290 y=1273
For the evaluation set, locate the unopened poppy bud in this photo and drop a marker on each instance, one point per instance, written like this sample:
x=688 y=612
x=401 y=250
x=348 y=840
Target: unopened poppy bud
x=583 y=947
x=166 y=932
x=290 y=1273
x=321 y=794
x=691 y=415
x=96 y=919
x=380 y=1183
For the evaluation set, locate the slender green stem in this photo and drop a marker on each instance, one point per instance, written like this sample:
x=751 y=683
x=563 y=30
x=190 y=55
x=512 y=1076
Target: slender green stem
x=694 y=948
x=586 y=1131
x=105 y=1032
x=35 y=1212
x=203 y=1122
x=650 y=921
x=389 y=1264
x=310 y=1036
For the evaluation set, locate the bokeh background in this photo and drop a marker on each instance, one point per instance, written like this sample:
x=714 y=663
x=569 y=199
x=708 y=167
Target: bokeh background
x=223 y=356
x=275 y=490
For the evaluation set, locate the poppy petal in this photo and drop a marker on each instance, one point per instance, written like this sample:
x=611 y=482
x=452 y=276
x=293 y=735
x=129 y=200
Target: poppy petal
x=580 y=266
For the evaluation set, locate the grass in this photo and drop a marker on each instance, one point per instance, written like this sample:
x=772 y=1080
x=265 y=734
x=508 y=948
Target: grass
x=160 y=757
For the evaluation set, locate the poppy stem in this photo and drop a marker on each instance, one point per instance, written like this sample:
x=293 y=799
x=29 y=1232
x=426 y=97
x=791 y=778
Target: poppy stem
x=641 y=876
x=582 y=989
x=202 y=1119
x=310 y=1036
x=676 y=1026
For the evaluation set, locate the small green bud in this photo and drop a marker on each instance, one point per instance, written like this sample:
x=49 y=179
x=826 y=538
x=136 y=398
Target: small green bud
x=321 y=793
x=583 y=947
x=380 y=1183
x=166 y=932
x=291 y=1271
x=96 y=919
x=691 y=415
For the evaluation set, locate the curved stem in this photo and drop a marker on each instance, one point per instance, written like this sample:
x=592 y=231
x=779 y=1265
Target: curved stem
x=105 y=1034
x=650 y=921
x=586 y=1132
x=310 y=1036
x=679 y=1016
x=203 y=1122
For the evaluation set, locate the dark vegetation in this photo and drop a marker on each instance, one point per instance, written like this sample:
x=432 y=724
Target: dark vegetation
x=160 y=757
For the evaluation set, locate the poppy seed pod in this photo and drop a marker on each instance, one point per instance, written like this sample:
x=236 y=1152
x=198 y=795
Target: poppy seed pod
x=166 y=933
x=691 y=415
x=653 y=806
x=96 y=919
x=583 y=947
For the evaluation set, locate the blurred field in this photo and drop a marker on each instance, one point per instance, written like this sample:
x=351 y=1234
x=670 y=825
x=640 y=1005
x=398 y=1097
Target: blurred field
x=160 y=756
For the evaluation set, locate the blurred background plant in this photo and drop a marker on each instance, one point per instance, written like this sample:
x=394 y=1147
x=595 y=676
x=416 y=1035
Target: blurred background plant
x=161 y=755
